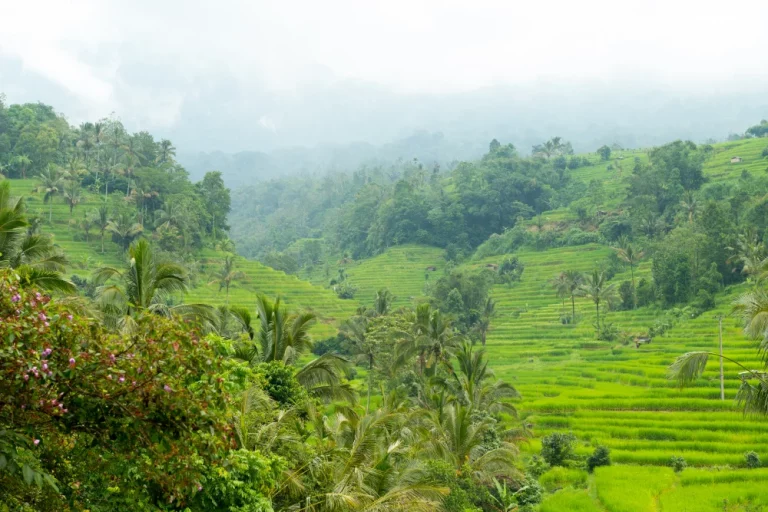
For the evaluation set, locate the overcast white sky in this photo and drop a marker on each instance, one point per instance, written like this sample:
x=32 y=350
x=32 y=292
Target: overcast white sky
x=151 y=58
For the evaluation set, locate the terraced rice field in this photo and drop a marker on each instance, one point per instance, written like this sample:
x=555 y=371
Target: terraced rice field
x=86 y=257
x=648 y=489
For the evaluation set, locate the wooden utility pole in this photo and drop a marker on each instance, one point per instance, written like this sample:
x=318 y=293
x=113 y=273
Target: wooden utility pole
x=722 y=378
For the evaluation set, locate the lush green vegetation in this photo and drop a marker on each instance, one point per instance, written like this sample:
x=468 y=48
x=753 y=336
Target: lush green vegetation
x=506 y=334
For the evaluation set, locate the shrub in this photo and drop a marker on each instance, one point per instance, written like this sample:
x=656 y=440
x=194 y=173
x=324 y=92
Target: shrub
x=645 y=293
x=576 y=236
x=678 y=463
x=529 y=494
x=557 y=448
x=280 y=383
x=536 y=466
x=600 y=457
x=627 y=296
x=752 y=460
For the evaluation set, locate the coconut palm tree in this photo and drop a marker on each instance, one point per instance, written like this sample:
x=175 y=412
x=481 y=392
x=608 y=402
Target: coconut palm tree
x=73 y=194
x=124 y=230
x=430 y=338
x=751 y=253
x=477 y=384
x=690 y=205
x=364 y=347
x=227 y=274
x=574 y=281
x=280 y=336
x=753 y=389
x=560 y=285
x=166 y=152
x=52 y=183
x=382 y=302
x=101 y=220
x=146 y=283
x=458 y=437
x=631 y=256
x=22 y=162
x=484 y=323
x=597 y=289
x=32 y=256
x=363 y=464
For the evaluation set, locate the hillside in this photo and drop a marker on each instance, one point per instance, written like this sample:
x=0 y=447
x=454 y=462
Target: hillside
x=608 y=393
x=87 y=256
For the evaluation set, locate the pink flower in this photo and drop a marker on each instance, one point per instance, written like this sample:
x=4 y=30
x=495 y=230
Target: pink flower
x=37 y=442
x=26 y=376
x=47 y=352
x=69 y=317
x=199 y=487
x=38 y=296
x=109 y=377
x=112 y=357
x=47 y=324
x=45 y=366
x=42 y=316
x=121 y=379
x=167 y=388
x=71 y=362
x=16 y=298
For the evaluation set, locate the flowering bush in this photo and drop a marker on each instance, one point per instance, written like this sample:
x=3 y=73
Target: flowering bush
x=94 y=418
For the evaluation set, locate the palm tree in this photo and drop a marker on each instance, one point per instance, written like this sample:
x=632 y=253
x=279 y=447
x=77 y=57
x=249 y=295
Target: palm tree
x=430 y=338
x=32 y=256
x=597 y=289
x=280 y=336
x=166 y=152
x=574 y=281
x=383 y=301
x=751 y=253
x=52 y=183
x=690 y=205
x=458 y=437
x=102 y=220
x=124 y=230
x=628 y=254
x=753 y=389
x=86 y=225
x=363 y=464
x=560 y=284
x=477 y=384
x=22 y=162
x=484 y=323
x=227 y=274
x=73 y=194
x=146 y=283
x=364 y=347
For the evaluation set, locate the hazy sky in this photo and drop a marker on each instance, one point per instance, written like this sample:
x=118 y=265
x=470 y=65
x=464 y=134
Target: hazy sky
x=152 y=61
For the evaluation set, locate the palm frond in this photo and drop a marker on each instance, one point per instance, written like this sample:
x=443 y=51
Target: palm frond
x=688 y=367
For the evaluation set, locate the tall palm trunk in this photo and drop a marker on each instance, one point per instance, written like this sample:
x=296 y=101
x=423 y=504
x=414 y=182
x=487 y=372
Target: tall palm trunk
x=370 y=383
x=573 y=309
x=597 y=309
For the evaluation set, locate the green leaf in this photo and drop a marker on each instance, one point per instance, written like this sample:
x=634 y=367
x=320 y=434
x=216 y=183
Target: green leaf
x=39 y=480
x=688 y=367
x=3 y=461
x=51 y=481
x=29 y=474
